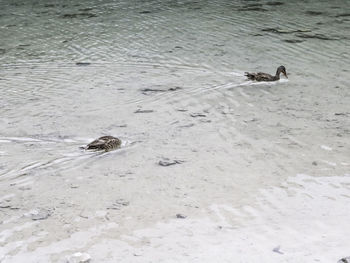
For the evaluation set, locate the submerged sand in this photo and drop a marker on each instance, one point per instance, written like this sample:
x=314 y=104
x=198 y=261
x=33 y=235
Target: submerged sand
x=253 y=179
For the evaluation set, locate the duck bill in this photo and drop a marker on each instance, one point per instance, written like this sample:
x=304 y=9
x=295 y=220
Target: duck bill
x=285 y=74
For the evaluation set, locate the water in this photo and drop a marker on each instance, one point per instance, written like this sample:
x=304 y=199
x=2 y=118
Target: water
x=183 y=63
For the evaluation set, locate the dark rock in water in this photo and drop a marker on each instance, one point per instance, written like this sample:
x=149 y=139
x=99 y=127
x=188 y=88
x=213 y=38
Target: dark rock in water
x=143 y=111
x=174 y=88
x=167 y=162
x=277 y=250
x=195 y=115
x=314 y=13
x=272 y=30
x=145 y=12
x=316 y=36
x=275 y=3
x=187 y=125
x=5 y=205
x=253 y=5
x=79 y=15
x=148 y=90
x=40 y=215
x=343 y=15
x=284 y=31
x=293 y=40
x=23 y=46
x=344 y=260
x=152 y=90
x=257 y=9
x=118 y=204
x=82 y=63
x=180 y=216
x=86 y=9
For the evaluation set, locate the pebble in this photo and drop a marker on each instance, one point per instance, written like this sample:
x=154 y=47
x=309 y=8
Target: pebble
x=277 y=250
x=344 y=260
x=82 y=63
x=5 y=205
x=180 y=216
x=168 y=162
x=143 y=111
x=79 y=258
x=40 y=214
x=118 y=204
x=195 y=115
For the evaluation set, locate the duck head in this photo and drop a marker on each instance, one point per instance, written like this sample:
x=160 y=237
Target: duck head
x=281 y=69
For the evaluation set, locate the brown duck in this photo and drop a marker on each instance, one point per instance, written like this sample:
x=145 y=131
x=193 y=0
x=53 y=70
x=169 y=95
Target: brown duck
x=106 y=143
x=260 y=76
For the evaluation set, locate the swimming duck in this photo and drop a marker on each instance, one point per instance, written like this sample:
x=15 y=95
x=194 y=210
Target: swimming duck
x=106 y=143
x=260 y=76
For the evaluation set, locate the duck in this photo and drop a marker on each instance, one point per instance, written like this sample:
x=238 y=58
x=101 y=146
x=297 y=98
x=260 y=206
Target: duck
x=260 y=76
x=106 y=143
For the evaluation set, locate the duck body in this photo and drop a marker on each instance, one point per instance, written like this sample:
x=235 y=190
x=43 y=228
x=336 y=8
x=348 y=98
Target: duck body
x=106 y=143
x=260 y=76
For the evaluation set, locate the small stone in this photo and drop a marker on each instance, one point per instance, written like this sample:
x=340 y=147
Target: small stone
x=344 y=260
x=195 y=115
x=122 y=202
x=143 y=111
x=79 y=258
x=4 y=205
x=174 y=88
x=277 y=250
x=180 y=216
x=85 y=214
x=168 y=162
x=118 y=204
x=293 y=41
x=187 y=125
x=152 y=90
x=82 y=63
x=40 y=214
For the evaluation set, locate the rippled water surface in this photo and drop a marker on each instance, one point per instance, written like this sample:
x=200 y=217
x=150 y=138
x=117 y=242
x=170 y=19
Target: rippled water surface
x=167 y=77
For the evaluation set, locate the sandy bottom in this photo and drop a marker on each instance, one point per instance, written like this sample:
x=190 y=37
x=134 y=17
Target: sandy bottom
x=260 y=173
x=297 y=222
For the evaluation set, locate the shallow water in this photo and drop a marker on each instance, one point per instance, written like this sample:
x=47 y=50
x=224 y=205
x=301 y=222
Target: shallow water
x=167 y=77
